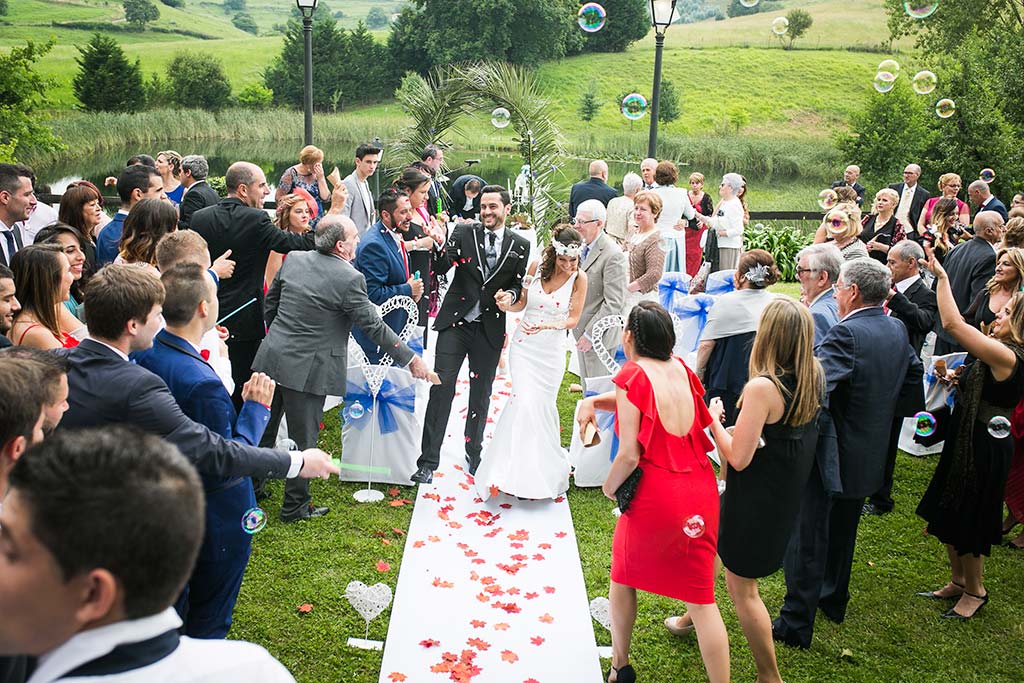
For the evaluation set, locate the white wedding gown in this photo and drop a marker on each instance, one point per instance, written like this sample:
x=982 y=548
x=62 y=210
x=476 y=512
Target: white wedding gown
x=525 y=457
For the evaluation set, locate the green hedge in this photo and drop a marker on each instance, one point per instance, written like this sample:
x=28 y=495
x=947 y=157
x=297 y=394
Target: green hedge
x=782 y=242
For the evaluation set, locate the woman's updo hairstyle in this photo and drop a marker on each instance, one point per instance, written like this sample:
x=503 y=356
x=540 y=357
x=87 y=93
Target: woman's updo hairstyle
x=653 y=333
x=758 y=268
x=568 y=240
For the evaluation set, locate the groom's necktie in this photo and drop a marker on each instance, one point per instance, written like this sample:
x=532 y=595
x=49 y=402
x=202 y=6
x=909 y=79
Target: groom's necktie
x=12 y=246
x=492 y=252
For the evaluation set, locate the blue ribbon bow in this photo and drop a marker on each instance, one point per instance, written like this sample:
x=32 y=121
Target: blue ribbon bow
x=416 y=343
x=720 y=282
x=693 y=316
x=389 y=399
x=670 y=287
x=606 y=421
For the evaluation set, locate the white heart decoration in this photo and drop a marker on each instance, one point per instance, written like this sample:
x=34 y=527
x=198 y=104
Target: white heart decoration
x=599 y=610
x=369 y=601
x=374 y=374
x=597 y=340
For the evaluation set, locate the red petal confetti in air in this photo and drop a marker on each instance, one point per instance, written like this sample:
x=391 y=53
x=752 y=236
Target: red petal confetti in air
x=397 y=677
x=544 y=546
x=394 y=491
x=501 y=627
x=560 y=534
x=305 y=608
x=418 y=544
x=509 y=656
x=476 y=623
x=430 y=642
x=549 y=589
x=478 y=644
x=438 y=583
x=531 y=596
x=537 y=640
x=382 y=566
x=546 y=619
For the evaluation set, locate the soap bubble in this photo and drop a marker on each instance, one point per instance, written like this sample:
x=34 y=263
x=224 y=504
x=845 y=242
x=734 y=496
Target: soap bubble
x=999 y=427
x=287 y=445
x=356 y=410
x=254 y=520
x=780 y=25
x=889 y=65
x=987 y=174
x=885 y=81
x=634 y=106
x=749 y=3
x=924 y=82
x=591 y=17
x=945 y=108
x=920 y=9
x=694 y=526
x=827 y=199
x=500 y=118
x=924 y=424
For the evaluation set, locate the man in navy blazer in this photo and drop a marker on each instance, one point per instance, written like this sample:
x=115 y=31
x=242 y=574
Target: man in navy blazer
x=191 y=310
x=596 y=187
x=105 y=388
x=872 y=374
x=135 y=183
x=982 y=197
x=382 y=259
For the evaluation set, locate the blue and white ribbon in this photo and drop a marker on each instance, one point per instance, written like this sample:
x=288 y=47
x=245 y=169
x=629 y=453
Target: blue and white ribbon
x=720 y=282
x=693 y=317
x=389 y=399
x=605 y=422
x=671 y=288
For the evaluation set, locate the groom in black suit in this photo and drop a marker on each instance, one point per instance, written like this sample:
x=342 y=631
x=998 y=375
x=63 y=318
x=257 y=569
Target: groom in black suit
x=489 y=258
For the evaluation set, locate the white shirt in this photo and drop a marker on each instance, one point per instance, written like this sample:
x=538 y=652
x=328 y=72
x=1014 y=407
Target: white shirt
x=205 y=661
x=731 y=221
x=43 y=215
x=675 y=205
x=116 y=350
x=221 y=364
x=903 y=285
x=499 y=235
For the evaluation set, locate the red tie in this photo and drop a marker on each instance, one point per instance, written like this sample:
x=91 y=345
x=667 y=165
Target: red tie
x=205 y=353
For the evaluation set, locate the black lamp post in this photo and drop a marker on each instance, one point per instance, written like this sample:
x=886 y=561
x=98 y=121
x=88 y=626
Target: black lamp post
x=662 y=13
x=307 y=7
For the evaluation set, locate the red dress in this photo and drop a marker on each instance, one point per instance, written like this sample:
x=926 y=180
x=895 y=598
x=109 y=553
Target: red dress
x=651 y=550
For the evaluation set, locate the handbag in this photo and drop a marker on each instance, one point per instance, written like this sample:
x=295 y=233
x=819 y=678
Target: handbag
x=627 y=489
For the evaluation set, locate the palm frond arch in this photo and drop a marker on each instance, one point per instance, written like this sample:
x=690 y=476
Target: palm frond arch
x=440 y=101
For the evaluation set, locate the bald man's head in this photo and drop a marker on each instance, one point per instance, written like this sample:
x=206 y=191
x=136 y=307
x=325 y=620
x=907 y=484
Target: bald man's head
x=988 y=225
x=247 y=182
x=599 y=169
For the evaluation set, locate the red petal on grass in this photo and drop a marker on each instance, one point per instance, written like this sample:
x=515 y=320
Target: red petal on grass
x=305 y=608
x=382 y=566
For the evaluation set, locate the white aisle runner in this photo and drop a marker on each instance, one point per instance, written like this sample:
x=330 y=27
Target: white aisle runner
x=488 y=592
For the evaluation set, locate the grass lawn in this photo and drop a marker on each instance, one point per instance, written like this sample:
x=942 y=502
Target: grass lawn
x=890 y=634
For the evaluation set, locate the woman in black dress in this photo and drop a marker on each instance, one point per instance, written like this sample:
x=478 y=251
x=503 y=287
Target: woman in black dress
x=963 y=504
x=762 y=496
x=1006 y=281
x=880 y=229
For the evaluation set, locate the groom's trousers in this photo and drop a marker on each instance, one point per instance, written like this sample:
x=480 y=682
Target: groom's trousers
x=453 y=346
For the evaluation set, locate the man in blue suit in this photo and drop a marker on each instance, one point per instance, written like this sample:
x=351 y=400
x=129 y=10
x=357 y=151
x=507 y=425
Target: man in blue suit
x=190 y=311
x=872 y=375
x=817 y=269
x=384 y=262
x=135 y=183
x=982 y=197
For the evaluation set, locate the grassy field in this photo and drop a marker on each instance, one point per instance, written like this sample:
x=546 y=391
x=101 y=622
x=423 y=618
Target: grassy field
x=890 y=634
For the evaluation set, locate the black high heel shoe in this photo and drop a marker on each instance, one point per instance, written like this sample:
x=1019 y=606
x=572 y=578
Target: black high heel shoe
x=953 y=614
x=933 y=595
x=624 y=674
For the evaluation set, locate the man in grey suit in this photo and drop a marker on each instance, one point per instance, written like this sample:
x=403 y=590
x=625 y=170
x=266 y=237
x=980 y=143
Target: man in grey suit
x=359 y=206
x=605 y=266
x=817 y=269
x=314 y=301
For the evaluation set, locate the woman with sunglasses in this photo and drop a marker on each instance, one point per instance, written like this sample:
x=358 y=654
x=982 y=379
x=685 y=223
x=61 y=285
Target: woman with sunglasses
x=842 y=227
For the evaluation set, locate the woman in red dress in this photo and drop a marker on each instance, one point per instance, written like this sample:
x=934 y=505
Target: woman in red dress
x=665 y=540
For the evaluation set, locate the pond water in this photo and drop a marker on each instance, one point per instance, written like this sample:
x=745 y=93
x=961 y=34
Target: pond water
x=764 y=194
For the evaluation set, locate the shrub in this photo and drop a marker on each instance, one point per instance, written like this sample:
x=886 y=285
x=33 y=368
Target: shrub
x=589 y=104
x=377 y=18
x=140 y=12
x=256 y=96
x=244 y=21
x=198 y=80
x=799 y=21
x=3 y=8
x=668 y=103
x=106 y=80
x=218 y=184
x=783 y=243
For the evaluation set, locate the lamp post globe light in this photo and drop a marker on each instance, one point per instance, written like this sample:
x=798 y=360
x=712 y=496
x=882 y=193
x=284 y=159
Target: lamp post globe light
x=662 y=13
x=307 y=8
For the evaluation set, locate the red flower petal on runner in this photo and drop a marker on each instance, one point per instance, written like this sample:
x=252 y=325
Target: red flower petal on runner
x=560 y=534
x=483 y=597
x=544 y=546
x=516 y=545
x=513 y=591
x=476 y=623
x=488 y=580
x=471 y=553
x=473 y=576
x=449 y=499
x=506 y=505
x=449 y=657
x=464 y=487
x=494 y=590
x=305 y=608
x=438 y=475
x=478 y=644
x=501 y=627
x=493 y=533
x=397 y=677
x=430 y=642
x=521 y=535
x=455 y=525
x=509 y=656
x=531 y=680
x=493 y=490
x=559 y=499
x=537 y=640
x=538 y=556
x=478 y=500
x=461 y=546
x=549 y=589
x=478 y=560
x=438 y=583
x=431 y=496
x=394 y=491
x=433 y=539
x=546 y=618
x=418 y=544
x=458 y=467
x=531 y=596
x=519 y=557
x=382 y=566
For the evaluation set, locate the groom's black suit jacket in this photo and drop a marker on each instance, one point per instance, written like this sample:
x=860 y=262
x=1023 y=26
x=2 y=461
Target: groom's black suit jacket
x=465 y=251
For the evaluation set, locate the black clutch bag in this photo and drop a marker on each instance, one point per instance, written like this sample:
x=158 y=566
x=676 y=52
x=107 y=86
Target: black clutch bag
x=624 y=494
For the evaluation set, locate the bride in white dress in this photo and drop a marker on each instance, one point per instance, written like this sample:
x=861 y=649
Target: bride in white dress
x=525 y=457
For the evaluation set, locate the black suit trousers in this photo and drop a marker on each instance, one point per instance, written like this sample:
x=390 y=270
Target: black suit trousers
x=242 y=354
x=304 y=412
x=818 y=561
x=454 y=344
x=882 y=499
